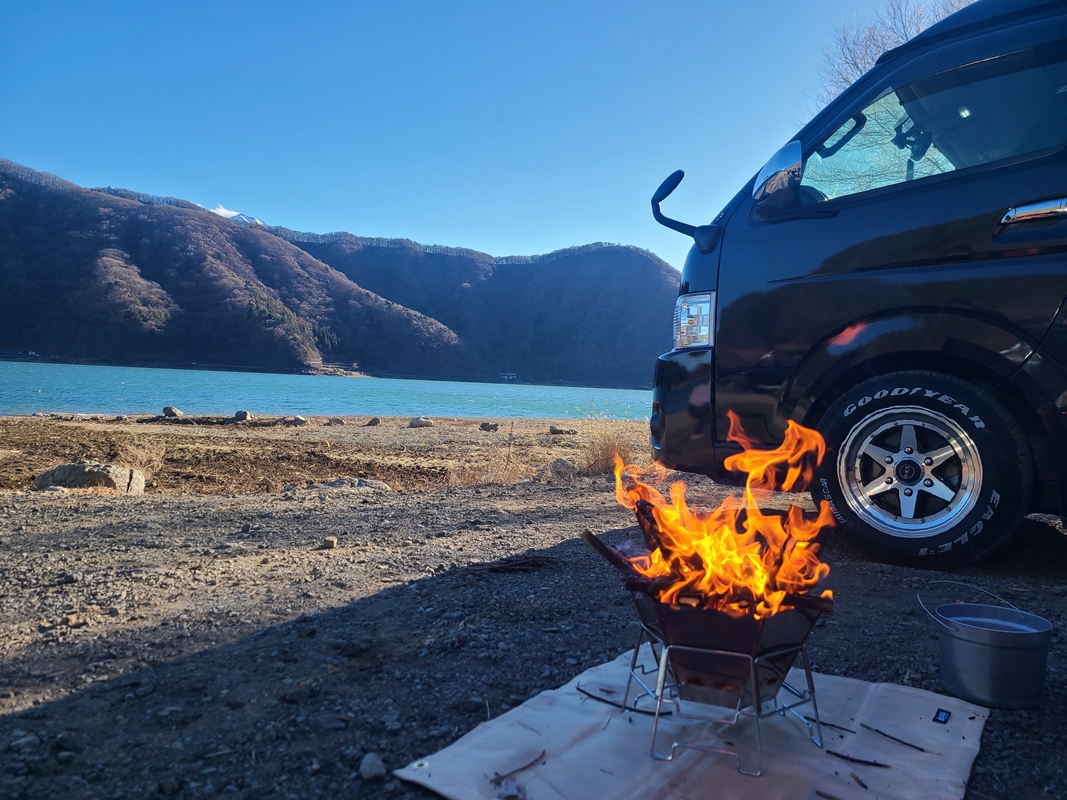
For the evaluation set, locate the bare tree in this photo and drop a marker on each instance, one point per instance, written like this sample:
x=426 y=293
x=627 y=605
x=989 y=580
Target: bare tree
x=856 y=46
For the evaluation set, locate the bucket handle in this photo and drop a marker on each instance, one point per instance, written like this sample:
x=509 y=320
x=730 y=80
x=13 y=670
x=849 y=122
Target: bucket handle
x=940 y=620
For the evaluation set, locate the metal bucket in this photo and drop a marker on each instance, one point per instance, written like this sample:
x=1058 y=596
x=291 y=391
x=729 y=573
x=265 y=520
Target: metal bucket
x=993 y=655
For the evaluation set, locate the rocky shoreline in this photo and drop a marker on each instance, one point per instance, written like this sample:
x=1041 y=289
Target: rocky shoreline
x=262 y=644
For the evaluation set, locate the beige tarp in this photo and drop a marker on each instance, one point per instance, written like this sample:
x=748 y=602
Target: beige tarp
x=593 y=751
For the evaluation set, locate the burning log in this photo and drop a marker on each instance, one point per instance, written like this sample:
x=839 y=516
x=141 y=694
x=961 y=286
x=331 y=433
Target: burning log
x=609 y=553
x=736 y=558
x=654 y=587
x=646 y=521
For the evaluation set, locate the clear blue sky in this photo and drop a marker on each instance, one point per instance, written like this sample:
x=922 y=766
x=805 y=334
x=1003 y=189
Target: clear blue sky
x=507 y=127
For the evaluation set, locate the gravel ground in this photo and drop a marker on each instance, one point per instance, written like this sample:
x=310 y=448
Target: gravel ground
x=192 y=645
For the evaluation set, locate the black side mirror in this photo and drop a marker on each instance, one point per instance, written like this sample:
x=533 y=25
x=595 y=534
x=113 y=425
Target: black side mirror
x=705 y=236
x=665 y=189
x=668 y=186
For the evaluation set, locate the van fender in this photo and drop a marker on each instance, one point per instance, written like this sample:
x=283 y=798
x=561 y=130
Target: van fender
x=957 y=336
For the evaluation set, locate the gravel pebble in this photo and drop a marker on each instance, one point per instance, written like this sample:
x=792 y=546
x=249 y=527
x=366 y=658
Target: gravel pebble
x=372 y=768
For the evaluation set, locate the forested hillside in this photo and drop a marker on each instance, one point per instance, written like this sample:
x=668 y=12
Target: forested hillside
x=121 y=277
x=598 y=314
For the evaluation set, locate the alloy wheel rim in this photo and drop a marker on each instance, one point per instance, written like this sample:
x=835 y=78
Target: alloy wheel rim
x=910 y=472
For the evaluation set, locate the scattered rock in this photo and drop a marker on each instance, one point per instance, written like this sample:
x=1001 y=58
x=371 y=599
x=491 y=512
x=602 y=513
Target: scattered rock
x=86 y=474
x=297 y=695
x=328 y=722
x=299 y=421
x=66 y=741
x=243 y=416
x=373 y=421
x=420 y=422
x=65 y=756
x=349 y=483
x=381 y=486
x=336 y=421
x=489 y=426
x=372 y=768
x=330 y=543
x=25 y=744
x=169 y=787
x=562 y=431
x=561 y=470
x=171 y=411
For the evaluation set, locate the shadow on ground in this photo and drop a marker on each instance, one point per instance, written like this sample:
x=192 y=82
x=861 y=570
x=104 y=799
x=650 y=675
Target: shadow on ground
x=290 y=711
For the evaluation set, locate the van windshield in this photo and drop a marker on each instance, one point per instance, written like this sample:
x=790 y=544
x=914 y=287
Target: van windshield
x=978 y=114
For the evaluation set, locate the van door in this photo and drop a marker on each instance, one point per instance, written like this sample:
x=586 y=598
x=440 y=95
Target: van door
x=900 y=222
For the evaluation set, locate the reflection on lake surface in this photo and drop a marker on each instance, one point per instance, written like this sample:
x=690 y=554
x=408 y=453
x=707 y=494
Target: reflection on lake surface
x=26 y=388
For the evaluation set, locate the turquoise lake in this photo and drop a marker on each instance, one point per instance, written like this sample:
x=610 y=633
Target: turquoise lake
x=27 y=387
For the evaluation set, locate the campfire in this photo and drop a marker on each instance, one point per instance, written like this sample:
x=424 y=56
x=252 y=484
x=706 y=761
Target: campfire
x=727 y=597
x=737 y=559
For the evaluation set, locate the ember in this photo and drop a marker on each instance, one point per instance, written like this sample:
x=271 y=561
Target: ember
x=738 y=558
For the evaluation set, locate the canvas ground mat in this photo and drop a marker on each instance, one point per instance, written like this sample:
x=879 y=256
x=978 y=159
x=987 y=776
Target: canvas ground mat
x=564 y=745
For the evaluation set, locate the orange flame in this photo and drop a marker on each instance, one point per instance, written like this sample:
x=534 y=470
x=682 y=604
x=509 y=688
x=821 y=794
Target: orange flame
x=736 y=559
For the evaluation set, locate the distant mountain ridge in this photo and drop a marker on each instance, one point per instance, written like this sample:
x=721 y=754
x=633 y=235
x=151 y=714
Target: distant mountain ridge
x=125 y=277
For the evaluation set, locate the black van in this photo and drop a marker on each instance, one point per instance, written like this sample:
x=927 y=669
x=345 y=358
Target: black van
x=895 y=277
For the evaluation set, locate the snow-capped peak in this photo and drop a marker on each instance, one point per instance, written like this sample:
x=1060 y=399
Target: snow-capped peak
x=237 y=216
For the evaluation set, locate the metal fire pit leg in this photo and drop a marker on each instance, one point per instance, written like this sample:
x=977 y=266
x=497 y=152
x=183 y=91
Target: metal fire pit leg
x=803 y=697
x=661 y=691
x=757 y=707
x=811 y=691
x=633 y=666
x=636 y=672
x=661 y=680
x=766 y=661
x=816 y=735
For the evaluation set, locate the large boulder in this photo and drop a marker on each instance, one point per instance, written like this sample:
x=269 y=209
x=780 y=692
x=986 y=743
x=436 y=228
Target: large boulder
x=171 y=411
x=89 y=474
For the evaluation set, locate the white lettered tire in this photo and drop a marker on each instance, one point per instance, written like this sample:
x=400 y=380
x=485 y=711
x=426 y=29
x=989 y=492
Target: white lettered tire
x=924 y=469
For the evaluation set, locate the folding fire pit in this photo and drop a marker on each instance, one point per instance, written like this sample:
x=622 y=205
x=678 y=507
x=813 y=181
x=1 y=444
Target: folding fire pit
x=737 y=664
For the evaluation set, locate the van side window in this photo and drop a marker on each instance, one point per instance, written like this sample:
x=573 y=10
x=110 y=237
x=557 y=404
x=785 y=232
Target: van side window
x=981 y=113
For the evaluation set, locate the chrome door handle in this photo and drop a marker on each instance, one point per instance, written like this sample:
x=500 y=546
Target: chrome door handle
x=1042 y=209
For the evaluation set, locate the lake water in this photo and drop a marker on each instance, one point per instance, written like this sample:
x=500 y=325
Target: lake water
x=27 y=387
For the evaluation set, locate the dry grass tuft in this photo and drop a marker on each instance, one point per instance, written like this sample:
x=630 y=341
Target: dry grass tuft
x=602 y=439
x=499 y=463
x=142 y=453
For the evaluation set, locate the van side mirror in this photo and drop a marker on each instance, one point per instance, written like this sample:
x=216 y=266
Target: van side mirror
x=661 y=194
x=705 y=236
x=778 y=184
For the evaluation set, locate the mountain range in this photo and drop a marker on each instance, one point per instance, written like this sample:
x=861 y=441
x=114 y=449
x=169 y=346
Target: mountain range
x=116 y=276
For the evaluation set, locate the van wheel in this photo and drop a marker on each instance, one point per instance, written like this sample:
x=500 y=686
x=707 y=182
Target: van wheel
x=924 y=469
